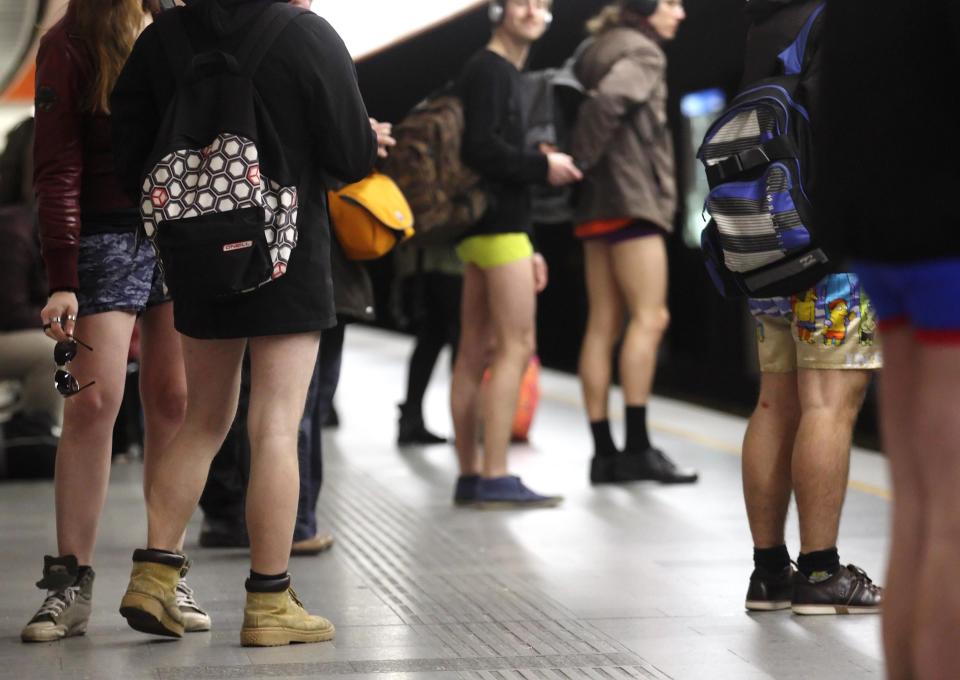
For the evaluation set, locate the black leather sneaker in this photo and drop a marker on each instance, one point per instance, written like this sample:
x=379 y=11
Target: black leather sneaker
x=848 y=591
x=652 y=464
x=770 y=591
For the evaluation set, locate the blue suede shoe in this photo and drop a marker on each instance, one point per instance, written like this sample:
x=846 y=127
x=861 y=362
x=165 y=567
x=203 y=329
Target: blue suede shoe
x=510 y=492
x=465 y=492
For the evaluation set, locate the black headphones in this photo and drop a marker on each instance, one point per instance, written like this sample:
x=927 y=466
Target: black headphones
x=642 y=7
x=495 y=13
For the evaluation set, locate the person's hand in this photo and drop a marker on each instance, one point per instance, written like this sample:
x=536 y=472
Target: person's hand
x=541 y=271
x=384 y=137
x=562 y=170
x=59 y=317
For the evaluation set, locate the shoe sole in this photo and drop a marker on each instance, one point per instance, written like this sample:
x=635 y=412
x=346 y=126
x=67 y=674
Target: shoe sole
x=294 y=552
x=279 y=637
x=831 y=610
x=147 y=615
x=767 y=606
x=52 y=634
x=515 y=505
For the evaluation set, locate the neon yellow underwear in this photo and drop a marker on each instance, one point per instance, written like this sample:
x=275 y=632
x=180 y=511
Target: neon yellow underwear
x=495 y=250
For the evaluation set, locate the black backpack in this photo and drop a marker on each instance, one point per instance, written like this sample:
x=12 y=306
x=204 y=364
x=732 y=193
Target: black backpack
x=551 y=100
x=219 y=201
x=758 y=159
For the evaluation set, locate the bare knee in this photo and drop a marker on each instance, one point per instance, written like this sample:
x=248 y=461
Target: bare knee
x=473 y=355
x=273 y=431
x=653 y=322
x=91 y=409
x=603 y=328
x=520 y=346
x=166 y=404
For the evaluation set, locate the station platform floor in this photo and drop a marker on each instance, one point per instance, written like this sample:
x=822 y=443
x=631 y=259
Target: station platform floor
x=619 y=583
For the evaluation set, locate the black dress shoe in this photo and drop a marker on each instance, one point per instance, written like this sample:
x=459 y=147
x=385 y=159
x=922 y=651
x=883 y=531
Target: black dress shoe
x=603 y=469
x=652 y=464
x=413 y=432
x=770 y=591
x=219 y=533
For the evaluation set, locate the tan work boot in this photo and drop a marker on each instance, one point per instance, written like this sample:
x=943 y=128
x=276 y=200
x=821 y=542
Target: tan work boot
x=150 y=603
x=277 y=617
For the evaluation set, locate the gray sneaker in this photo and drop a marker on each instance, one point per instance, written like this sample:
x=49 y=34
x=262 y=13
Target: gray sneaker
x=66 y=610
x=195 y=619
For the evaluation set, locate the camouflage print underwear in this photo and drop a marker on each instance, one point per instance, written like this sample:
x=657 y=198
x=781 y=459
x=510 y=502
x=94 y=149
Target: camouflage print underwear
x=118 y=275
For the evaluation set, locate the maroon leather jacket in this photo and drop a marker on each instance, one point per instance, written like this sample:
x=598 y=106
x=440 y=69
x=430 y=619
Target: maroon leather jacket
x=74 y=178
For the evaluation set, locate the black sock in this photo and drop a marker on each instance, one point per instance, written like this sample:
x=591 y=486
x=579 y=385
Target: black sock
x=637 y=438
x=819 y=565
x=262 y=583
x=82 y=571
x=773 y=560
x=602 y=439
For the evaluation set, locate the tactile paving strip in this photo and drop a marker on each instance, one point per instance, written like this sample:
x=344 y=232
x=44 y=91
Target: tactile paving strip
x=496 y=626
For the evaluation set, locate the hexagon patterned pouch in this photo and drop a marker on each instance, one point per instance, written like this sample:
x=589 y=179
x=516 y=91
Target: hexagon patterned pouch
x=219 y=202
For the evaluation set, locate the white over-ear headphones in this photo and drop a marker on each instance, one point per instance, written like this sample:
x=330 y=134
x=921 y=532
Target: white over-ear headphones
x=495 y=12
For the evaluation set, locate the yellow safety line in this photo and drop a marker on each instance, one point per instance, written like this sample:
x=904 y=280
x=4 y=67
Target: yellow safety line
x=717 y=445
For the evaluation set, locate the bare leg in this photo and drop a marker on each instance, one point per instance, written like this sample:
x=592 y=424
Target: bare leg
x=163 y=387
x=472 y=358
x=83 y=456
x=936 y=453
x=767 y=453
x=512 y=304
x=604 y=327
x=213 y=385
x=829 y=402
x=640 y=268
x=278 y=394
x=899 y=385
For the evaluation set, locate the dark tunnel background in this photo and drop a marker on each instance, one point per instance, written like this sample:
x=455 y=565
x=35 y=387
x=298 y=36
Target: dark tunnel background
x=708 y=355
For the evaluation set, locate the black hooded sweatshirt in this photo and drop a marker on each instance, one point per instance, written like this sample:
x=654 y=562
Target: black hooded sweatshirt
x=308 y=82
x=892 y=118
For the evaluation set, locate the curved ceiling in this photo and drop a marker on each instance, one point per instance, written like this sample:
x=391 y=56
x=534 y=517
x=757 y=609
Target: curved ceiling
x=19 y=24
x=371 y=26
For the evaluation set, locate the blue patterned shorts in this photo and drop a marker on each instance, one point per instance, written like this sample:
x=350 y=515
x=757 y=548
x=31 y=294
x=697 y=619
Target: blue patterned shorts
x=118 y=275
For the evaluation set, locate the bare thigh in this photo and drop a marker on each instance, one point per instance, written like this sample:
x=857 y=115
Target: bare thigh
x=603 y=292
x=640 y=269
x=475 y=333
x=513 y=303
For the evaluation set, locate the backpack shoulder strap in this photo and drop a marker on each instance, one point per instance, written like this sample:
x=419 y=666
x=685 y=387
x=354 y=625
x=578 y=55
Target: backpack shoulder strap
x=175 y=41
x=270 y=25
x=792 y=58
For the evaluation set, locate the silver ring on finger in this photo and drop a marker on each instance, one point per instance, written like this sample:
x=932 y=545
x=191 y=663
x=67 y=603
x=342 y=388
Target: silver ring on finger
x=55 y=320
x=71 y=317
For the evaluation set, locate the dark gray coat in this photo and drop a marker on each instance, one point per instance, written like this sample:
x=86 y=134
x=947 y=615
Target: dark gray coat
x=622 y=139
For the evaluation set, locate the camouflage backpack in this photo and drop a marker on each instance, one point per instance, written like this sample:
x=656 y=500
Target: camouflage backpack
x=444 y=194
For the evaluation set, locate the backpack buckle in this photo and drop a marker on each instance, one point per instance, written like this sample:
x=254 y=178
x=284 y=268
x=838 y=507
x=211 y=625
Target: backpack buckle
x=736 y=164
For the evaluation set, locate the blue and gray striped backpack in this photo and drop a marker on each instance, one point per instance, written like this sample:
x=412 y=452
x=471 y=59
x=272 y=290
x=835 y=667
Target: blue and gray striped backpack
x=757 y=156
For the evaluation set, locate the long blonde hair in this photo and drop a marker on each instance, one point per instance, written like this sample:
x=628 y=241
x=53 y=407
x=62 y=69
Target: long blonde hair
x=609 y=17
x=109 y=28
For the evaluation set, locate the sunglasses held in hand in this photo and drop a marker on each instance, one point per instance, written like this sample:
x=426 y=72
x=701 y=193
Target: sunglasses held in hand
x=64 y=352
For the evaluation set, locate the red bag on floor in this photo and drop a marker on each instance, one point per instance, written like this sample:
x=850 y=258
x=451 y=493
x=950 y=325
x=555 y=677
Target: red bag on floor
x=527 y=400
